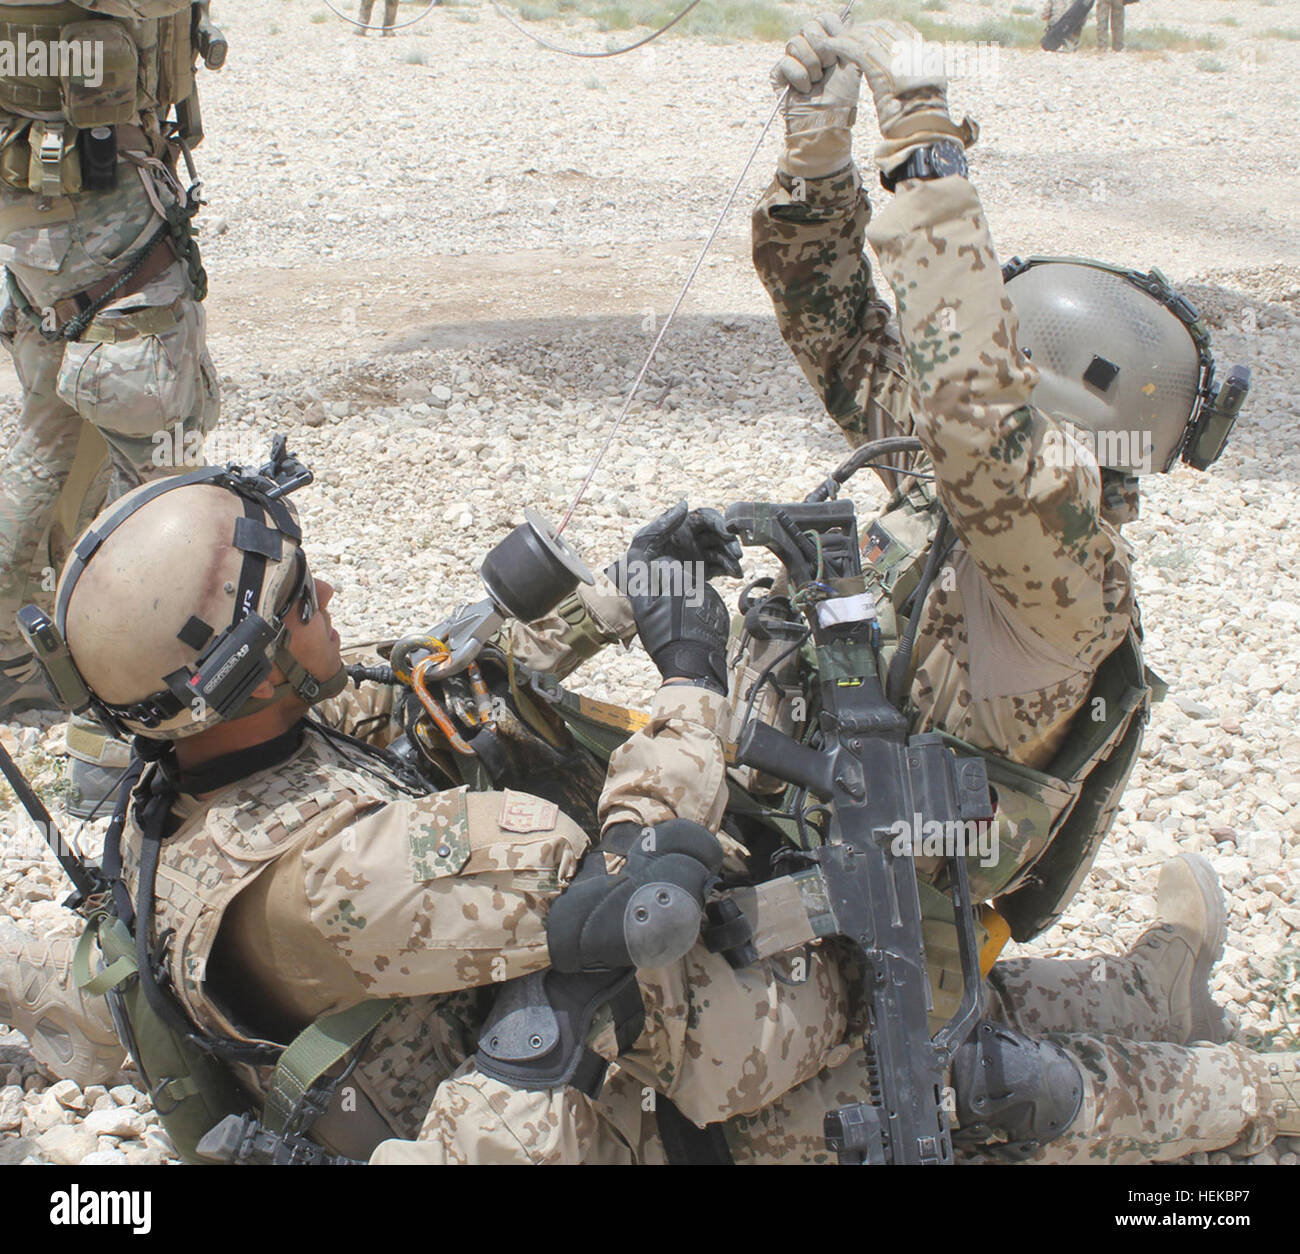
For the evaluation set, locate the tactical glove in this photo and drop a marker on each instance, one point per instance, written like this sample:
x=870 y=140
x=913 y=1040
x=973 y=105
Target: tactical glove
x=683 y=624
x=912 y=105
x=822 y=105
x=686 y=535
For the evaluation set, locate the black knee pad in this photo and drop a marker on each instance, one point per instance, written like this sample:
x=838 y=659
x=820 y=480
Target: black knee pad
x=1014 y=1086
x=536 y=1035
x=648 y=915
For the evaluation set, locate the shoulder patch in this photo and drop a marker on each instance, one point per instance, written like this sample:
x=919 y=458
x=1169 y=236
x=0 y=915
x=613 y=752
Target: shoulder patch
x=523 y=813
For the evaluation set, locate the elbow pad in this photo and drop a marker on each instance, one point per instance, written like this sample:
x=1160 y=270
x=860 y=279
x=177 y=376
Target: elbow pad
x=648 y=915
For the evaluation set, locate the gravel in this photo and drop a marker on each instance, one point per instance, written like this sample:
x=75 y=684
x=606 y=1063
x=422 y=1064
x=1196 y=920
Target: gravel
x=440 y=279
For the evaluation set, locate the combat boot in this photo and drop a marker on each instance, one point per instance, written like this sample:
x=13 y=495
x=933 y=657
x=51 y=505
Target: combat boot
x=1177 y=954
x=1284 y=1083
x=70 y=1036
x=23 y=687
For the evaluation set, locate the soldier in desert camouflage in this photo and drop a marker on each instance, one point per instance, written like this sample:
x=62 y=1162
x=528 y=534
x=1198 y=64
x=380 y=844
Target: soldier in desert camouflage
x=367 y=8
x=138 y=365
x=1110 y=25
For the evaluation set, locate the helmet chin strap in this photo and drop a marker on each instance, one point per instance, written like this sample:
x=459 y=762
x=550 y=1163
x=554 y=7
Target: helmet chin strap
x=298 y=682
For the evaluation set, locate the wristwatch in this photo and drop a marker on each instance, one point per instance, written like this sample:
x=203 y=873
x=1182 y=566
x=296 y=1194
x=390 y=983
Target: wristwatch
x=934 y=162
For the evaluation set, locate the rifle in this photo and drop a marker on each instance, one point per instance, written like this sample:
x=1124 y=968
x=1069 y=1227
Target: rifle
x=87 y=878
x=211 y=44
x=869 y=776
x=1067 y=26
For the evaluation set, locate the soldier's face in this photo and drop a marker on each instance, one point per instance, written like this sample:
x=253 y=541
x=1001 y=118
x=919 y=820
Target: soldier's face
x=315 y=643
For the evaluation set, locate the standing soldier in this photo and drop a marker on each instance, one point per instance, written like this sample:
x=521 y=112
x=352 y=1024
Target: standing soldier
x=367 y=8
x=1110 y=24
x=101 y=308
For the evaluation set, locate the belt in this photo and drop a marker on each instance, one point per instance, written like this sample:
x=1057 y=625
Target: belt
x=119 y=328
x=159 y=258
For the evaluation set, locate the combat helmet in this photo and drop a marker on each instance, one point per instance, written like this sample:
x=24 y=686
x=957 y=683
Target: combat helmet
x=172 y=606
x=1125 y=360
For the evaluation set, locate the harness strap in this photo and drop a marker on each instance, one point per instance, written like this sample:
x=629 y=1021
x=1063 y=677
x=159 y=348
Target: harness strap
x=316 y=1049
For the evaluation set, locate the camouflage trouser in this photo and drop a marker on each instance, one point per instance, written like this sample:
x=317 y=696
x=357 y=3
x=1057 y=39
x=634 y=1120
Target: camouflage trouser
x=1144 y=1100
x=1110 y=24
x=368 y=7
x=139 y=387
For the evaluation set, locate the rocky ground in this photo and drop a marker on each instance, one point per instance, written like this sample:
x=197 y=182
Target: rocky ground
x=437 y=262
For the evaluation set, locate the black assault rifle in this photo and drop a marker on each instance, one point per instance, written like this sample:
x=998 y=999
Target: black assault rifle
x=869 y=774
x=1067 y=26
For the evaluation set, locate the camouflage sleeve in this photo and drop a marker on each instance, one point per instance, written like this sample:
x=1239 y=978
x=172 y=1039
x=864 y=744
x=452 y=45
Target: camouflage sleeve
x=1031 y=523
x=435 y=894
x=807 y=242
x=674 y=766
x=578 y=628
x=134 y=10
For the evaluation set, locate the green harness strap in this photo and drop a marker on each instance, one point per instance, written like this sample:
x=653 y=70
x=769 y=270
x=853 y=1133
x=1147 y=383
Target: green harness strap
x=315 y=1049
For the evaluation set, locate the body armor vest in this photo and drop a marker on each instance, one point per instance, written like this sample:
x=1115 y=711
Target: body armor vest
x=140 y=65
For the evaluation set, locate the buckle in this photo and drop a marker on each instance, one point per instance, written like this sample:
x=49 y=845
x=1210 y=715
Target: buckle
x=50 y=157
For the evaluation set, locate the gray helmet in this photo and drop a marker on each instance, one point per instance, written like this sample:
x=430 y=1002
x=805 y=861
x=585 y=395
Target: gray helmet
x=1125 y=360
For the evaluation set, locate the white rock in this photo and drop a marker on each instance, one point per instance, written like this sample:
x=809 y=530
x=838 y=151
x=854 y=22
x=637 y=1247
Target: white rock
x=121 y=1121
x=105 y=1158
x=66 y=1144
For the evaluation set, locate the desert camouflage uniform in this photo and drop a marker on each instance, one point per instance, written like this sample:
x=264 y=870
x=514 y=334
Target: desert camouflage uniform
x=1053 y=11
x=368 y=7
x=1110 y=24
x=1040 y=593
x=142 y=366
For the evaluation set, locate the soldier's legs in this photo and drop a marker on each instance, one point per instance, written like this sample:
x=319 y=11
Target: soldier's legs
x=367 y=8
x=1103 y=24
x=33 y=472
x=1117 y=25
x=390 y=16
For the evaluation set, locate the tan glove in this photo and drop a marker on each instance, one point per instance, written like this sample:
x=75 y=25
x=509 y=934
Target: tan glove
x=822 y=105
x=912 y=106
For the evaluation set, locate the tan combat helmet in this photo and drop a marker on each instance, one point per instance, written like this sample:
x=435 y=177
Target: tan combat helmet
x=1125 y=360
x=171 y=608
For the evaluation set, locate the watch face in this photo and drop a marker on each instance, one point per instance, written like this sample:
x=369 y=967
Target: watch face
x=947 y=159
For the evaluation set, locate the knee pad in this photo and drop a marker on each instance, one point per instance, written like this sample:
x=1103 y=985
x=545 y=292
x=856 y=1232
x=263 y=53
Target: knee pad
x=648 y=915
x=536 y=1035
x=1014 y=1086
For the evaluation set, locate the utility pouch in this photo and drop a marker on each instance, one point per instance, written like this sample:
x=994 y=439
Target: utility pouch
x=112 y=101
x=191 y=1092
x=53 y=165
x=15 y=156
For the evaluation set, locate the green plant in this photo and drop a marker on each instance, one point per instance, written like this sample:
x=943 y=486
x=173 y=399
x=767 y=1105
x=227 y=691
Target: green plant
x=1167 y=39
x=1212 y=65
x=414 y=56
x=1282 y=32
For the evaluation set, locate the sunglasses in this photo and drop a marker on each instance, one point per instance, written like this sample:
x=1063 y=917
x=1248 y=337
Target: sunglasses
x=303 y=593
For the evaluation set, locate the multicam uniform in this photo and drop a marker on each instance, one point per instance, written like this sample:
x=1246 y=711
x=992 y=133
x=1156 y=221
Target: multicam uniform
x=368 y=7
x=140 y=367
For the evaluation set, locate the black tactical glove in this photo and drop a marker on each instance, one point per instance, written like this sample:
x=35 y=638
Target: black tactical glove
x=690 y=536
x=682 y=623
